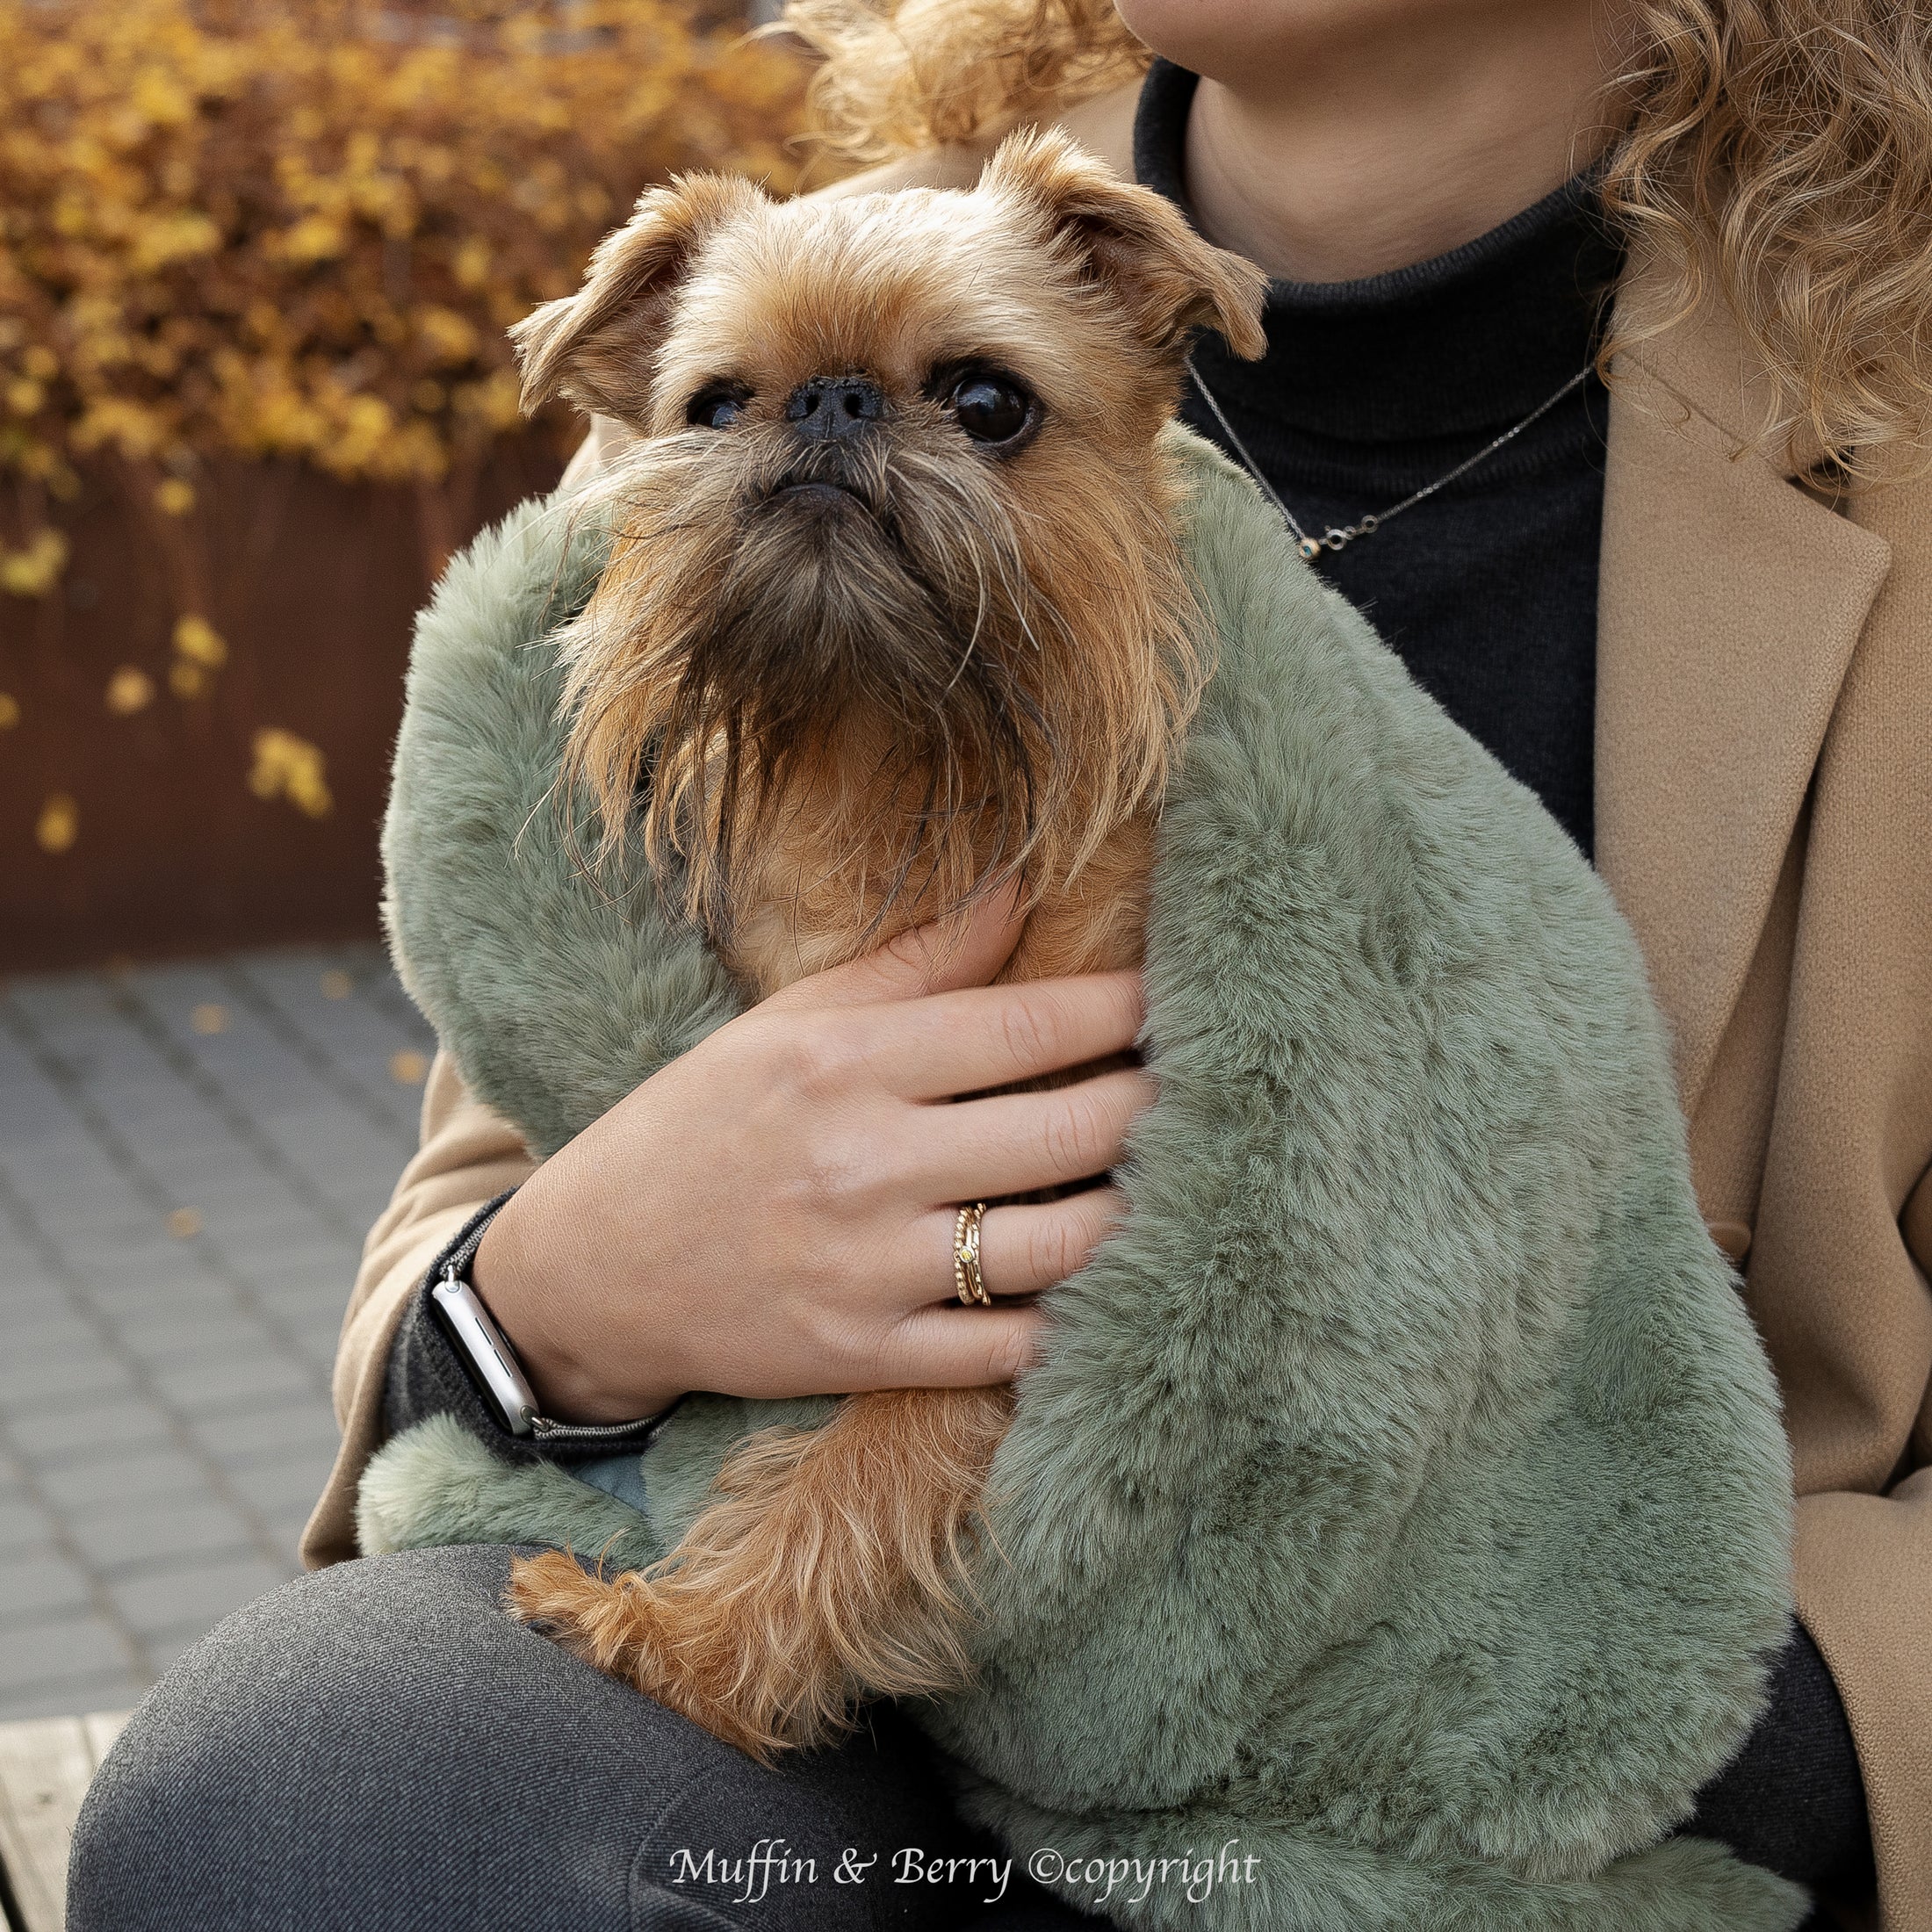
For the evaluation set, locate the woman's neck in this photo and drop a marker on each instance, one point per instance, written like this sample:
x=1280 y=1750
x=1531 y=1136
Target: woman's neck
x=1369 y=145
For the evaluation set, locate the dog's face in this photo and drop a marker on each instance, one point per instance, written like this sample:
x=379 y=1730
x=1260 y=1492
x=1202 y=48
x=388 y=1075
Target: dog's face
x=895 y=530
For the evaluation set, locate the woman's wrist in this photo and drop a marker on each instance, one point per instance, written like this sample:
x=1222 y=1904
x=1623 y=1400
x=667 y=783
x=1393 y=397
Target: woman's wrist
x=536 y=1297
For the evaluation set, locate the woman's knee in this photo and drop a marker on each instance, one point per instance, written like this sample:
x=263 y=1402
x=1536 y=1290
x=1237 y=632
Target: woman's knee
x=375 y=1745
x=379 y=1745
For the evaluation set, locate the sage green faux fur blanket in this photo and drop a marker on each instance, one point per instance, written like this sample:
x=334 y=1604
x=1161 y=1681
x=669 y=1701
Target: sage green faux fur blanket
x=1404 y=1495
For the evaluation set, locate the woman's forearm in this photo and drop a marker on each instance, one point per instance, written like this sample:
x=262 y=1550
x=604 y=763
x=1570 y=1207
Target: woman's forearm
x=467 y=1155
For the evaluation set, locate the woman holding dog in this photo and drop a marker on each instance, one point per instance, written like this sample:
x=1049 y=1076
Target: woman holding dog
x=1685 y=606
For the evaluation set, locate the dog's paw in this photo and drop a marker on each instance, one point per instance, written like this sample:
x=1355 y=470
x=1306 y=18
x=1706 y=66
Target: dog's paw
x=668 y=1644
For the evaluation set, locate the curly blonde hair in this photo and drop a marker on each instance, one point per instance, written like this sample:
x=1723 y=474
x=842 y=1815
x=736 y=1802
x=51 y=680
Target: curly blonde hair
x=1776 y=155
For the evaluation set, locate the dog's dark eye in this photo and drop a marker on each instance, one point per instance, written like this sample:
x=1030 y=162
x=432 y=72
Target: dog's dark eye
x=989 y=408
x=715 y=408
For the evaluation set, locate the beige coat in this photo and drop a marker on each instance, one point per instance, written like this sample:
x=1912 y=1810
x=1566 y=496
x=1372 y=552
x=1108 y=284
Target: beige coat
x=1764 y=817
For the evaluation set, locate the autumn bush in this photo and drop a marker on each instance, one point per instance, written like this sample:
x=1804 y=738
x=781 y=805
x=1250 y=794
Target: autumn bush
x=300 y=228
x=291 y=234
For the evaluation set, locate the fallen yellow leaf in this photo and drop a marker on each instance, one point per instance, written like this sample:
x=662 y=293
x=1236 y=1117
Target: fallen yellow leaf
x=60 y=824
x=209 y=1018
x=288 y=767
x=129 y=690
x=34 y=571
x=200 y=642
x=407 y=1068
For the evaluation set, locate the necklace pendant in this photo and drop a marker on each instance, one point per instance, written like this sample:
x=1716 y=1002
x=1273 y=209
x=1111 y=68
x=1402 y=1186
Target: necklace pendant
x=1335 y=538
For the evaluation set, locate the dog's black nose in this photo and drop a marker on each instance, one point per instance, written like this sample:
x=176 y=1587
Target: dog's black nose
x=830 y=408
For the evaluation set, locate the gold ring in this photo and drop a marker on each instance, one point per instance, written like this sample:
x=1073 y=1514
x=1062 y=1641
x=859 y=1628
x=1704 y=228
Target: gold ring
x=968 y=1282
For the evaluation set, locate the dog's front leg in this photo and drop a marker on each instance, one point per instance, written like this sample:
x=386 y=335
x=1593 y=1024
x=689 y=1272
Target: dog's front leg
x=831 y=1567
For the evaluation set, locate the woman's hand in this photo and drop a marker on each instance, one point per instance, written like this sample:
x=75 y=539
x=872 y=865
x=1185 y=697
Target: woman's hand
x=772 y=1213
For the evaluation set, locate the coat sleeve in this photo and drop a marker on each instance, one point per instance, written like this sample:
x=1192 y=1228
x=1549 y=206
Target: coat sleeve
x=467 y=1155
x=1839 y=1271
x=1865 y=1589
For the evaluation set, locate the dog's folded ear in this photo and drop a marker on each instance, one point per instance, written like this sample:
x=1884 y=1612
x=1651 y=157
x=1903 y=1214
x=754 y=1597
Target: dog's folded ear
x=596 y=346
x=1167 y=280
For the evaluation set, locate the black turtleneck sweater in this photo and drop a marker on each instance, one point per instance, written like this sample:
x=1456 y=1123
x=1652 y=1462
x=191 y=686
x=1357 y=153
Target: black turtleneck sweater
x=1372 y=389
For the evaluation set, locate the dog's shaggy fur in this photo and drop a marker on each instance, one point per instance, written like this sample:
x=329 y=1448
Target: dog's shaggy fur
x=873 y=674
x=869 y=674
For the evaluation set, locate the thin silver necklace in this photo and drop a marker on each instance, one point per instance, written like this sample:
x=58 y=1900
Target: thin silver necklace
x=1339 y=536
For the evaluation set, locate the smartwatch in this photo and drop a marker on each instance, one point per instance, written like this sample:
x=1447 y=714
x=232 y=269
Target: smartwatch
x=485 y=1351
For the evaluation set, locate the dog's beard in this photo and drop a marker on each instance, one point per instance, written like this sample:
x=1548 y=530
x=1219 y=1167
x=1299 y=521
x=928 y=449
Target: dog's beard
x=877 y=643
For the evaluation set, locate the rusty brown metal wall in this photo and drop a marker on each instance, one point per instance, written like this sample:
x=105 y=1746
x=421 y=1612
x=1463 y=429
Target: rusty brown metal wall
x=312 y=586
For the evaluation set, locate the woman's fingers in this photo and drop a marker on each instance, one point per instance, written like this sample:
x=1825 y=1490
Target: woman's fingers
x=966 y=950
x=1025 y=1246
x=1011 y=1143
x=952 y=1347
x=994 y=1036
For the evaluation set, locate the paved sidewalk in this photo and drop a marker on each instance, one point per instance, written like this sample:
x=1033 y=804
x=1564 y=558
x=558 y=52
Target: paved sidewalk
x=189 y=1157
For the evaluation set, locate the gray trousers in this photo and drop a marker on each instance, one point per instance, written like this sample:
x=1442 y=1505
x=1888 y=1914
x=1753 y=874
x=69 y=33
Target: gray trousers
x=379 y=1747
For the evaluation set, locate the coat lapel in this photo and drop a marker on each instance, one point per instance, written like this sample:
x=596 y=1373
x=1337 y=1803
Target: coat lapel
x=1730 y=602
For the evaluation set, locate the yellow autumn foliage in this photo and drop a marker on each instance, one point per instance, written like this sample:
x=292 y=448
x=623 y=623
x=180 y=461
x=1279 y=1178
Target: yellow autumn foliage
x=301 y=230
x=34 y=569
x=198 y=640
x=288 y=767
x=130 y=689
x=59 y=824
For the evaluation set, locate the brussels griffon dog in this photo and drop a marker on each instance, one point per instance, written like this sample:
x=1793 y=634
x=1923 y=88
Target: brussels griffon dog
x=894 y=615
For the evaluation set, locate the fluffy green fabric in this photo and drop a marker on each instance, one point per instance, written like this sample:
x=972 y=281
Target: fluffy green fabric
x=1405 y=1493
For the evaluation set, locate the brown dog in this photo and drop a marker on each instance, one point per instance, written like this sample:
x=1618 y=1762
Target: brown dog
x=894 y=615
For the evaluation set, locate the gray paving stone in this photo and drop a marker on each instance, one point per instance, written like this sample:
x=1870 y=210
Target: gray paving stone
x=122 y=1539
x=27 y=1413
x=316 y=1341
x=50 y=1325
x=166 y=1649
x=278 y=1434
x=141 y=1245
x=283 y=1486
x=192 y=1596
x=166 y=1337
x=38 y=1581
x=307 y=1274
x=211 y=1380
x=201 y=1298
x=148 y=1283
x=249 y=1227
x=23 y=1525
x=169 y=1391
x=23 y=1279
x=37 y=1377
x=123 y=1476
x=80 y=1432
x=40 y=1650
x=287 y=1523
x=63 y=1697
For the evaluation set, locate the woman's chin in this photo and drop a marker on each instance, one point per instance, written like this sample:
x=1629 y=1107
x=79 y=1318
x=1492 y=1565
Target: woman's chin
x=1231 y=41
